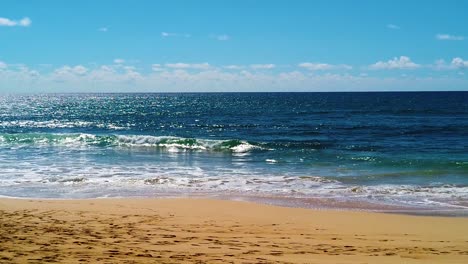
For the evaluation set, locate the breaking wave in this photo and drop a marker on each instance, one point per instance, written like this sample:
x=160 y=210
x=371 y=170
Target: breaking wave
x=169 y=143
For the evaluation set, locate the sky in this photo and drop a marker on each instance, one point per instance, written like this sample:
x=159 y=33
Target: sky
x=232 y=46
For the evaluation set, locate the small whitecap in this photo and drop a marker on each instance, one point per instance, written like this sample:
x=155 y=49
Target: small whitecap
x=244 y=147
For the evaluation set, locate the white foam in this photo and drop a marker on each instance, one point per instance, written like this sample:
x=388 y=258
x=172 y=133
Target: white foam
x=69 y=176
x=244 y=147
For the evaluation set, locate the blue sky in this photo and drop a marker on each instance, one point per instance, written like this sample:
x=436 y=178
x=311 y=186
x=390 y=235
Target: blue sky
x=159 y=46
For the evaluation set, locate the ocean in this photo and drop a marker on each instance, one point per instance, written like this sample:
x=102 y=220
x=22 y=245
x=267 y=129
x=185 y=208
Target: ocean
x=387 y=150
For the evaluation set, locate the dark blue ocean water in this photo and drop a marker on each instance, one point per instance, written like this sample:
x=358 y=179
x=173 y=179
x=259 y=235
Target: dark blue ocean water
x=405 y=149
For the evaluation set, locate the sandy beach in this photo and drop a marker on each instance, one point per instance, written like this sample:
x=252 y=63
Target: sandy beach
x=214 y=231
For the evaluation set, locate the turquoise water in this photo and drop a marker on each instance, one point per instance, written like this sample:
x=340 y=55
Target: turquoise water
x=399 y=149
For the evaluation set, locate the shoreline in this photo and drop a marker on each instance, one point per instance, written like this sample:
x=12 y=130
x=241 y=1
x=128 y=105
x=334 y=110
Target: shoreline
x=174 y=230
x=308 y=203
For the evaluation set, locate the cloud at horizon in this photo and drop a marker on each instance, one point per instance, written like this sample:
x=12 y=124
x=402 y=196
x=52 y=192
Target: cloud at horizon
x=121 y=76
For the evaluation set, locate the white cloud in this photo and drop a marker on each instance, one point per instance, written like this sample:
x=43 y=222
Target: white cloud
x=24 y=22
x=157 y=67
x=119 y=61
x=3 y=65
x=315 y=66
x=79 y=69
x=67 y=71
x=456 y=64
x=396 y=63
x=262 y=66
x=181 y=65
x=169 y=34
x=103 y=29
x=459 y=63
x=7 y=22
x=440 y=65
x=449 y=37
x=106 y=68
x=233 y=67
x=392 y=26
x=221 y=37
x=323 y=66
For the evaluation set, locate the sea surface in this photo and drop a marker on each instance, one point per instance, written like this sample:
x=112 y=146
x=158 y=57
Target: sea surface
x=405 y=150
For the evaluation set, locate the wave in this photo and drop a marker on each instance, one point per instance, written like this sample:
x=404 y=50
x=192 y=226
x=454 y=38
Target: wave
x=170 y=143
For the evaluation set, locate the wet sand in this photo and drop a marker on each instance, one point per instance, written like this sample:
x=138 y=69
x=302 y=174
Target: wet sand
x=214 y=231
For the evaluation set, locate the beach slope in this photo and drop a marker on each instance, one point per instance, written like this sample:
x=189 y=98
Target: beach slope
x=213 y=231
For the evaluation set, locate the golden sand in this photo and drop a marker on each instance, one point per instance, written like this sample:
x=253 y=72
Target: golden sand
x=212 y=231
